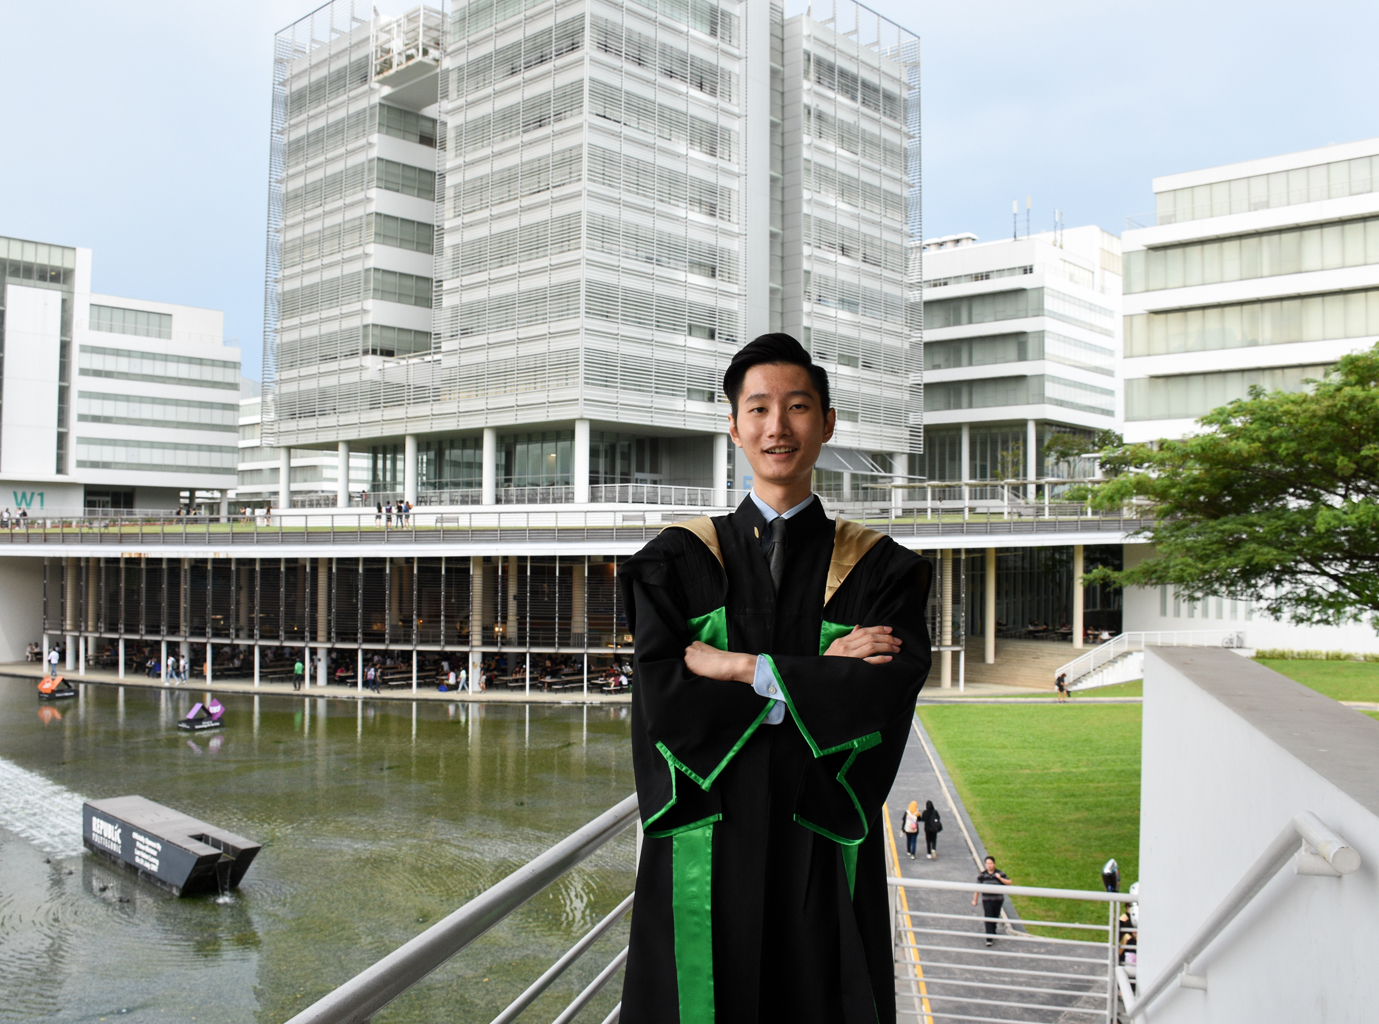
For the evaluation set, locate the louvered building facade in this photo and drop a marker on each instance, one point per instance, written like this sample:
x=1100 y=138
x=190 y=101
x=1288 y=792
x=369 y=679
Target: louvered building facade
x=513 y=245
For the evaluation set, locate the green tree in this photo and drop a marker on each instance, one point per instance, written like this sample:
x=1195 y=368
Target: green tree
x=1274 y=501
x=1069 y=446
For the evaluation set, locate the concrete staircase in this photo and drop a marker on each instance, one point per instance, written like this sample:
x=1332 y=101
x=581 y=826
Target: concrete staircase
x=1026 y=663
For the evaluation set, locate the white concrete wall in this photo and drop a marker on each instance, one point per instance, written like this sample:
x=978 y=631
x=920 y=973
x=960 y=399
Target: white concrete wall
x=28 y=422
x=21 y=610
x=1232 y=751
x=1143 y=611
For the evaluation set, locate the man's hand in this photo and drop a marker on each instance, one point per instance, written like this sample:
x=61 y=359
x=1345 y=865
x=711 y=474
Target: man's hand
x=711 y=663
x=873 y=644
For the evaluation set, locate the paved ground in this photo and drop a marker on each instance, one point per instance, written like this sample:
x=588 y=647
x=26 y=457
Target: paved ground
x=957 y=976
x=34 y=670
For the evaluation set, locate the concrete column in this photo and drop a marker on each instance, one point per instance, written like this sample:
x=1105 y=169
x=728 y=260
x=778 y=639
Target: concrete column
x=163 y=662
x=515 y=580
x=1031 y=458
x=409 y=468
x=989 y=655
x=966 y=459
x=285 y=478
x=720 y=470
x=342 y=481
x=847 y=486
x=121 y=657
x=71 y=587
x=92 y=602
x=256 y=661
x=1079 y=595
x=578 y=625
x=322 y=617
x=490 y=480
x=477 y=606
x=394 y=598
x=322 y=666
x=900 y=475
x=945 y=620
x=81 y=655
x=581 y=467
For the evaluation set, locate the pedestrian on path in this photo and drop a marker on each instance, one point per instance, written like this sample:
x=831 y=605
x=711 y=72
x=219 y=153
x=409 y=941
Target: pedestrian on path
x=933 y=825
x=1062 y=685
x=52 y=662
x=910 y=826
x=991 y=901
x=182 y=667
x=298 y=673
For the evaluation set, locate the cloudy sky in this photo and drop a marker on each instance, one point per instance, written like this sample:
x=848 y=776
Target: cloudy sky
x=140 y=129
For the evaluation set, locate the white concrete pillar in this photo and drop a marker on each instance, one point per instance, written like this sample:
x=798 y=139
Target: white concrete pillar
x=945 y=620
x=81 y=655
x=409 y=468
x=1079 y=595
x=163 y=662
x=847 y=486
x=285 y=478
x=342 y=482
x=900 y=476
x=1031 y=458
x=581 y=467
x=578 y=626
x=256 y=662
x=322 y=666
x=490 y=479
x=359 y=670
x=989 y=655
x=720 y=471
x=121 y=656
x=71 y=654
x=966 y=459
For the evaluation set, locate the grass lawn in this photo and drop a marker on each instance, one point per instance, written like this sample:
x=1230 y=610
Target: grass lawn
x=1054 y=791
x=1131 y=689
x=1339 y=680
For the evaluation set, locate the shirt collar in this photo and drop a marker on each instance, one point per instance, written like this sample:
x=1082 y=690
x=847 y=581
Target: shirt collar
x=768 y=513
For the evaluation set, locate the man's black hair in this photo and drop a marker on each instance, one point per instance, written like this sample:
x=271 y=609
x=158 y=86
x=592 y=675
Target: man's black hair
x=769 y=349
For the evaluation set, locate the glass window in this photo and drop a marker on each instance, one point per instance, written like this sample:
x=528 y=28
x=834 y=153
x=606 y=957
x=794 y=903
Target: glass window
x=1190 y=395
x=1263 y=191
x=138 y=322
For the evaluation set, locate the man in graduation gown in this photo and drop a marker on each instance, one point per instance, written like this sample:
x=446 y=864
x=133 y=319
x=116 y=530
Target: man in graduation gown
x=778 y=657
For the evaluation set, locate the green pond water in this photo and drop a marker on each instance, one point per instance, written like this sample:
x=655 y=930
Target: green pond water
x=376 y=819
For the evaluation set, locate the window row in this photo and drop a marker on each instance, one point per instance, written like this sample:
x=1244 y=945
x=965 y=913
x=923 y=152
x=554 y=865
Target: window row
x=373 y=283
x=1017 y=348
x=296 y=352
x=1353 y=243
x=983 y=275
x=353 y=181
x=154 y=367
x=530 y=177
x=333 y=135
x=355 y=232
x=867 y=92
x=1246 y=324
x=1079 y=312
x=1266 y=191
x=855 y=139
x=138 y=322
x=1189 y=395
x=643 y=178
x=1015 y=305
x=1036 y=389
x=850 y=188
x=853 y=298
x=615 y=104
x=531 y=51
x=663 y=58
x=641 y=244
x=854 y=244
x=528 y=114
x=715 y=20
x=531 y=240
x=144 y=411
x=828 y=346
x=405 y=124
x=155 y=456
x=323 y=83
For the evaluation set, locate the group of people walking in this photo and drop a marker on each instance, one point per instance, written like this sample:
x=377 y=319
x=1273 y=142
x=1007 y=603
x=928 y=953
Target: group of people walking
x=384 y=514
x=928 y=820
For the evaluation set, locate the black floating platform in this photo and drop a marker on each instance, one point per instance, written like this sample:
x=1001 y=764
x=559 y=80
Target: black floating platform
x=169 y=848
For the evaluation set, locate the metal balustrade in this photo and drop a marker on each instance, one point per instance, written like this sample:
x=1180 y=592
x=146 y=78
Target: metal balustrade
x=1099 y=657
x=428 y=525
x=1035 y=971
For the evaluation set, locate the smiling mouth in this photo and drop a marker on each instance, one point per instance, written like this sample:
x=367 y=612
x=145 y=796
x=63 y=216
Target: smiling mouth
x=781 y=450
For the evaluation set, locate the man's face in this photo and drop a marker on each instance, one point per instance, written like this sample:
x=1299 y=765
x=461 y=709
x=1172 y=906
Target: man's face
x=780 y=423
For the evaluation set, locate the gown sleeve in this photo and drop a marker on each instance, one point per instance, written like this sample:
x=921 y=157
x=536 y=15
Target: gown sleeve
x=686 y=729
x=855 y=717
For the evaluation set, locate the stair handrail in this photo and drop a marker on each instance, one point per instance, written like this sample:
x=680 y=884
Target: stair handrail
x=358 y=999
x=1138 y=640
x=1329 y=856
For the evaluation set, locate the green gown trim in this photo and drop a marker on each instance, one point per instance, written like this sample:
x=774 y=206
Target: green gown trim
x=829 y=632
x=692 y=909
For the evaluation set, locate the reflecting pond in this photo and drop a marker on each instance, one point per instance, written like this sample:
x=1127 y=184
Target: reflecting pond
x=376 y=819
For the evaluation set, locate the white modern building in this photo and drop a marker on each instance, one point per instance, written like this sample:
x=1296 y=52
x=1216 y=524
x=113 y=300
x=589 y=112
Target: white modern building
x=1021 y=340
x=108 y=402
x=1263 y=272
x=513 y=247
x=313 y=475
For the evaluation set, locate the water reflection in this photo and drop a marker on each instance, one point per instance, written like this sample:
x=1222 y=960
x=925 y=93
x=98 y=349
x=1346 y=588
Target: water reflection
x=376 y=822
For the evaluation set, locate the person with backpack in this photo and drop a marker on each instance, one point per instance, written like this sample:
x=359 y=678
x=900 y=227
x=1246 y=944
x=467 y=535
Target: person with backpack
x=909 y=824
x=933 y=825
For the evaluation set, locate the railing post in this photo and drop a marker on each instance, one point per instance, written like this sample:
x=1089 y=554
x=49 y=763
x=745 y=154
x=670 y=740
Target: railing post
x=1112 y=958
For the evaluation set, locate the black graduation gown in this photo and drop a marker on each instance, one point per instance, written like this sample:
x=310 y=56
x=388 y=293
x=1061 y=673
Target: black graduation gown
x=761 y=890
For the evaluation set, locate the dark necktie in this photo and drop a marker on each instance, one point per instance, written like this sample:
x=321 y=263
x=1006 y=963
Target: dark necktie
x=776 y=557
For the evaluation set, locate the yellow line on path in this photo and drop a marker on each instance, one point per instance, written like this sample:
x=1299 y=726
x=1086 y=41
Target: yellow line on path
x=905 y=912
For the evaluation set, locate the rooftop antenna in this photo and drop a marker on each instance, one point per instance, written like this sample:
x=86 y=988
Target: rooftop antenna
x=1014 y=219
x=1028 y=204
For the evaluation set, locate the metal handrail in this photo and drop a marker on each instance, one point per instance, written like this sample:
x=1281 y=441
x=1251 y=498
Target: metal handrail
x=364 y=995
x=1104 y=654
x=1333 y=857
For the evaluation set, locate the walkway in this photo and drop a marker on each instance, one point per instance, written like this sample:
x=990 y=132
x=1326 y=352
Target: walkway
x=957 y=975
x=34 y=670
